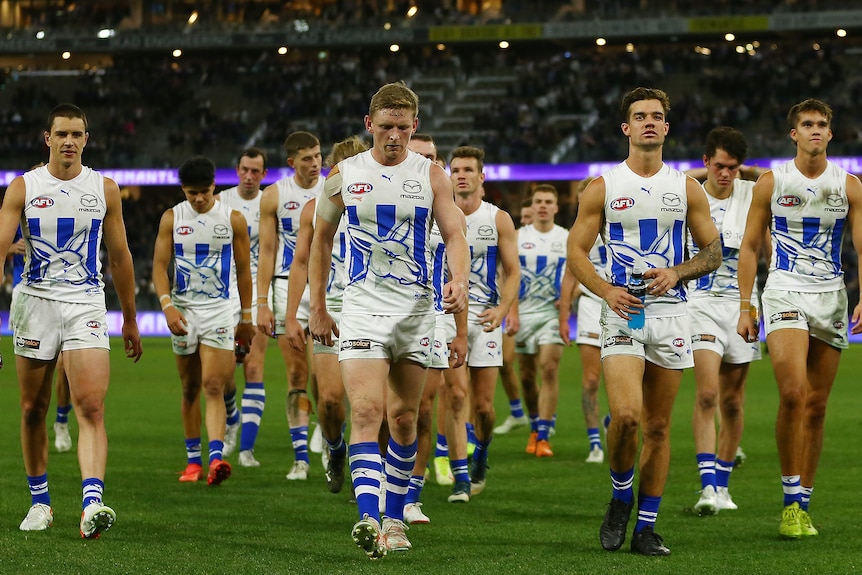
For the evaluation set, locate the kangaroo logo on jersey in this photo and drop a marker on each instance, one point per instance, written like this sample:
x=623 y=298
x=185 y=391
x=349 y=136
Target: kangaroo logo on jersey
x=291 y=205
x=621 y=204
x=388 y=257
x=185 y=230
x=42 y=202
x=788 y=201
x=66 y=263
x=206 y=276
x=359 y=188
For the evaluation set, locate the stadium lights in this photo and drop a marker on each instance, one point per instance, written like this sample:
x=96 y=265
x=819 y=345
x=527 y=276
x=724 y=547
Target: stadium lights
x=40 y=35
x=66 y=55
x=630 y=47
x=387 y=26
x=601 y=41
x=411 y=12
x=841 y=32
x=177 y=53
x=729 y=37
x=441 y=47
x=740 y=49
x=394 y=48
x=193 y=17
x=503 y=44
x=106 y=33
x=282 y=50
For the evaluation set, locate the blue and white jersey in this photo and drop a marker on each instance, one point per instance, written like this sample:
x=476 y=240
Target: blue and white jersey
x=543 y=263
x=483 y=239
x=808 y=219
x=439 y=267
x=723 y=282
x=645 y=221
x=291 y=200
x=203 y=255
x=388 y=210
x=337 y=273
x=250 y=210
x=599 y=258
x=17 y=261
x=62 y=227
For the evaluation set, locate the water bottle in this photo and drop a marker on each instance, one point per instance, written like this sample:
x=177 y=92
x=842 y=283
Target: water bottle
x=637 y=288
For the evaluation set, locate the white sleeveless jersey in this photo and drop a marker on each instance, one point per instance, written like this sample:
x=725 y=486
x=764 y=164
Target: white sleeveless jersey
x=808 y=220
x=438 y=266
x=62 y=225
x=250 y=209
x=599 y=258
x=203 y=255
x=483 y=239
x=388 y=260
x=724 y=281
x=337 y=274
x=543 y=262
x=645 y=221
x=291 y=200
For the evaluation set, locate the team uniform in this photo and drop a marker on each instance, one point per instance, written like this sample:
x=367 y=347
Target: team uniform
x=484 y=349
x=543 y=262
x=335 y=284
x=250 y=209
x=805 y=286
x=60 y=301
x=645 y=221
x=203 y=261
x=444 y=330
x=713 y=304
x=589 y=304
x=291 y=200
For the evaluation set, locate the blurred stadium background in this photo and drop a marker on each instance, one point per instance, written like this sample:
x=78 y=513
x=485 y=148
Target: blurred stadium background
x=536 y=83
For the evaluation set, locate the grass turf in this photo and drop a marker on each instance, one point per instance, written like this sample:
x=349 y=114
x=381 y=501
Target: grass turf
x=535 y=516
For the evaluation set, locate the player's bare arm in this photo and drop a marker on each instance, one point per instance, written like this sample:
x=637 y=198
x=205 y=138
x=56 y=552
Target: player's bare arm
x=267 y=242
x=854 y=216
x=450 y=221
x=162 y=254
x=756 y=232
x=298 y=278
x=122 y=268
x=321 y=326
x=507 y=249
x=242 y=257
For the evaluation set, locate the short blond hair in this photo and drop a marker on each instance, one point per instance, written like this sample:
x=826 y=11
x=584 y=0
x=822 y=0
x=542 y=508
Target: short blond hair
x=394 y=96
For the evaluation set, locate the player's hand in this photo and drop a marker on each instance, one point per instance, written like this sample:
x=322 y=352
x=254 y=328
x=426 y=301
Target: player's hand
x=622 y=303
x=455 y=297
x=458 y=351
x=265 y=321
x=564 y=328
x=491 y=318
x=132 y=340
x=321 y=326
x=176 y=321
x=513 y=322
x=745 y=327
x=856 y=320
x=663 y=280
x=245 y=332
x=295 y=334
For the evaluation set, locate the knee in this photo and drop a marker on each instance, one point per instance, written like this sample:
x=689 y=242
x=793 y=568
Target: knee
x=815 y=412
x=214 y=386
x=298 y=377
x=792 y=398
x=329 y=403
x=657 y=431
x=366 y=415
x=731 y=406
x=706 y=399
x=90 y=409
x=33 y=413
x=590 y=383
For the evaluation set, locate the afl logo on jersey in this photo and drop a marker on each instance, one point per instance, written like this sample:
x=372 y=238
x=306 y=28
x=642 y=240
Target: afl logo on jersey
x=678 y=342
x=621 y=204
x=528 y=245
x=185 y=230
x=93 y=325
x=291 y=205
x=359 y=188
x=42 y=202
x=788 y=201
x=425 y=342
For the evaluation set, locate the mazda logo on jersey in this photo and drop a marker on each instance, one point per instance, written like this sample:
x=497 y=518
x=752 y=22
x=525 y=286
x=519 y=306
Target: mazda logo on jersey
x=411 y=187
x=621 y=204
x=221 y=230
x=788 y=201
x=359 y=188
x=485 y=231
x=185 y=230
x=89 y=201
x=42 y=202
x=291 y=205
x=671 y=200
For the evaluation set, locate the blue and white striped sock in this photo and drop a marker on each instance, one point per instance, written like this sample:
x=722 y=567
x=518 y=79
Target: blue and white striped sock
x=706 y=468
x=806 y=496
x=216 y=448
x=594 y=438
x=93 y=489
x=299 y=437
x=39 y=489
x=723 y=470
x=622 y=484
x=543 y=429
x=792 y=489
x=460 y=470
x=442 y=448
x=647 y=511
x=516 y=408
x=414 y=491
x=63 y=413
x=399 y=465
x=366 y=469
x=193 y=450
x=230 y=408
x=253 y=401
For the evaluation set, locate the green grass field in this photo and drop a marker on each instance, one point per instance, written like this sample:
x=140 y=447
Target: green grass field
x=535 y=516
